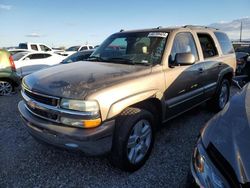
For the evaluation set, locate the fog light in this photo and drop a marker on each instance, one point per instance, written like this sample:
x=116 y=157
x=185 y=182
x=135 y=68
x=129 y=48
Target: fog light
x=81 y=123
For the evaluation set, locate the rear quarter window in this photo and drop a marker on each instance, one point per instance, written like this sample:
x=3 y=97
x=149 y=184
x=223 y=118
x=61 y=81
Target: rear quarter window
x=225 y=43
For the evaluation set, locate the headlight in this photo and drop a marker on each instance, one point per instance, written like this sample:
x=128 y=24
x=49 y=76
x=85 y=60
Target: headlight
x=80 y=105
x=91 y=117
x=205 y=171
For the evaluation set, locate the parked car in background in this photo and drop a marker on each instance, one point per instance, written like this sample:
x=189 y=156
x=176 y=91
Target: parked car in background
x=78 y=56
x=243 y=63
x=29 y=62
x=74 y=49
x=136 y=80
x=221 y=156
x=37 y=47
x=8 y=77
x=17 y=50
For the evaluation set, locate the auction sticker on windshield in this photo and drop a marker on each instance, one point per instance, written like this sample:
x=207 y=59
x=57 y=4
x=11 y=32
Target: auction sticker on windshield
x=158 y=34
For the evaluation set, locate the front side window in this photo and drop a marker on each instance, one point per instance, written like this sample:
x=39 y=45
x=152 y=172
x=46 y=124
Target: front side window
x=207 y=45
x=183 y=43
x=34 y=47
x=132 y=48
x=84 y=48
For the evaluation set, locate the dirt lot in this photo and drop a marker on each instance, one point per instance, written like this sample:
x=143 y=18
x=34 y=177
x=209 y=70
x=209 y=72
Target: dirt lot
x=26 y=163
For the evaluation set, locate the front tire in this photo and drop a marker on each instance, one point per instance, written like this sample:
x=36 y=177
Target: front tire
x=133 y=139
x=219 y=101
x=6 y=87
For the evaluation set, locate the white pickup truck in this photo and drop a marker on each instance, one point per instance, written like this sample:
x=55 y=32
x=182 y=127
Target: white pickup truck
x=37 y=47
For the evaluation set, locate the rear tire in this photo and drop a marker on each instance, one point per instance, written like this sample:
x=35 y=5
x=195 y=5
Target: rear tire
x=133 y=139
x=221 y=97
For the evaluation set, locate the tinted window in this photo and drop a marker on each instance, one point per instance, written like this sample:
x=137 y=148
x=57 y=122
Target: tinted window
x=225 y=43
x=183 y=43
x=46 y=55
x=243 y=49
x=91 y=47
x=44 y=48
x=207 y=45
x=23 y=46
x=36 y=56
x=83 y=48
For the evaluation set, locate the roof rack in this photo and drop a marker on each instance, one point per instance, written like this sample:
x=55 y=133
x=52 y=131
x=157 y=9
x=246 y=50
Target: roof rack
x=198 y=26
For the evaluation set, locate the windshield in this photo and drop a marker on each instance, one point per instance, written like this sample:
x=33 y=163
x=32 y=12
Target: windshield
x=19 y=55
x=132 y=48
x=243 y=49
x=73 y=48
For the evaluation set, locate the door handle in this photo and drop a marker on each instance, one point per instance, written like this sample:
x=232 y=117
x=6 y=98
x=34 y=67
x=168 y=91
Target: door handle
x=200 y=70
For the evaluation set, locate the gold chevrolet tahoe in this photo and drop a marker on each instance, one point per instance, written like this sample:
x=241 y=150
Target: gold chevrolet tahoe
x=132 y=83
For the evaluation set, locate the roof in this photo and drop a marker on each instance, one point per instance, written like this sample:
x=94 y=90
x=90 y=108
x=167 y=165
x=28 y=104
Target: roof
x=169 y=29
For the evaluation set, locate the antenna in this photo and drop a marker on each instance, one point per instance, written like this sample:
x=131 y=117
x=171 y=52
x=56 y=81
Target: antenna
x=240 y=30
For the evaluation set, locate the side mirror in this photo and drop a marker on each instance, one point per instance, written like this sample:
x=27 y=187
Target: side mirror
x=183 y=59
x=26 y=58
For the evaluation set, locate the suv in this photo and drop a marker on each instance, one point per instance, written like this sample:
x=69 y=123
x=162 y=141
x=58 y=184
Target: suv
x=8 y=76
x=115 y=101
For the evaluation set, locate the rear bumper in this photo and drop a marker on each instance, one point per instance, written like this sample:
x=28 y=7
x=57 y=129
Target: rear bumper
x=94 y=141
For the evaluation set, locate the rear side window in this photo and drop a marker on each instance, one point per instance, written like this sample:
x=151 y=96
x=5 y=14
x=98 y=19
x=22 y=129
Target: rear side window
x=90 y=47
x=37 y=56
x=83 y=48
x=34 y=47
x=23 y=46
x=225 y=43
x=207 y=45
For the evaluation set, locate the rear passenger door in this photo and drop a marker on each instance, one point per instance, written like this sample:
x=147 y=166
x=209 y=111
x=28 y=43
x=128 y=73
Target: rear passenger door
x=183 y=83
x=211 y=63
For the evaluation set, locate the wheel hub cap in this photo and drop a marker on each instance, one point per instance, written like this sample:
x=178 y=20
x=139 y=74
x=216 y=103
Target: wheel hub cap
x=139 y=141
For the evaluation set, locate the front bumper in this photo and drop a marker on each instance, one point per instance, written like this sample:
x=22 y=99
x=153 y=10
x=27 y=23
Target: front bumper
x=94 y=141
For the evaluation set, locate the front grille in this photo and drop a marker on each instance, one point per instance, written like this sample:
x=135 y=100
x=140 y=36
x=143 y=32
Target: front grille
x=42 y=98
x=44 y=114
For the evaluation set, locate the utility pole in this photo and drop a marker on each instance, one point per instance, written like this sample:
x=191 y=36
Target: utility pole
x=240 y=30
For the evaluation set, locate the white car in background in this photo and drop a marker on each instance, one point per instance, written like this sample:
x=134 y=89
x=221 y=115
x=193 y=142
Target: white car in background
x=37 y=47
x=74 y=49
x=29 y=62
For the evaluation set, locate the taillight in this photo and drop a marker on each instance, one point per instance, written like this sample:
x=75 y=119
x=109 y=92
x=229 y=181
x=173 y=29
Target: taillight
x=13 y=67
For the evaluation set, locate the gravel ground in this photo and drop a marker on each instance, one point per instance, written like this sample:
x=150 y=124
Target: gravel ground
x=26 y=163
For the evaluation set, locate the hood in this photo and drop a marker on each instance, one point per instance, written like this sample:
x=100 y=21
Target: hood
x=229 y=132
x=76 y=80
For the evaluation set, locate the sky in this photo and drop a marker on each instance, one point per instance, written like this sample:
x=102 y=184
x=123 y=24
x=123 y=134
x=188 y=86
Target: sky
x=65 y=23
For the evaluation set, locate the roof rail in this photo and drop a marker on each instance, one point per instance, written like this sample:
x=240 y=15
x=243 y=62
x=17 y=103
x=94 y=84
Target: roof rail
x=121 y=30
x=198 y=26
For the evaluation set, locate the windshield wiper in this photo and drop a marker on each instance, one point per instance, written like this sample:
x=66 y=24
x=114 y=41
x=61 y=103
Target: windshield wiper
x=120 y=60
x=95 y=58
